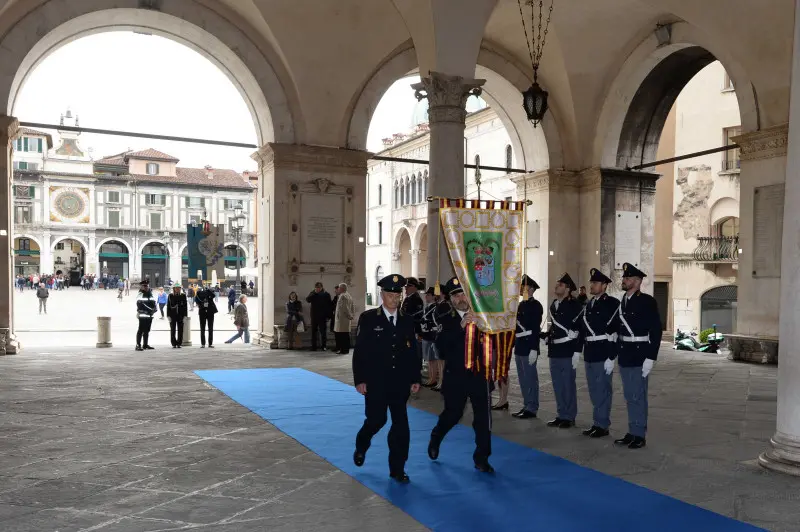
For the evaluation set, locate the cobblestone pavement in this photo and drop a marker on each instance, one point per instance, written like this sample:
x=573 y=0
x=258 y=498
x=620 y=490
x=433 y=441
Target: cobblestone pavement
x=115 y=440
x=71 y=319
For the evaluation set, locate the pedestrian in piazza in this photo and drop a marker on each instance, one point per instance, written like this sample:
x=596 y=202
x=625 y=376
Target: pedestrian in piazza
x=145 y=309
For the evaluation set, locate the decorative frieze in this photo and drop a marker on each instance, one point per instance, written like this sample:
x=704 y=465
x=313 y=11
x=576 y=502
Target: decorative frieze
x=316 y=159
x=764 y=144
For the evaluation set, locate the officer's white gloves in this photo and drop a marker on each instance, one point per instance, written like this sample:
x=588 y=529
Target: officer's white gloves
x=646 y=367
x=533 y=356
x=575 y=359
x=608 y=365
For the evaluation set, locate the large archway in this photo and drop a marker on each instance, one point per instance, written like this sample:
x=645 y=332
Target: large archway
x=114 y=256
x=69 y=259
x=155 y=263
x=27 y=255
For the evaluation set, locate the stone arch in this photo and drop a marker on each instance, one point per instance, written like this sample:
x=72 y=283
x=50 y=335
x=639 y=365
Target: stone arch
x=267 y=92
x=398 y=237
x=417 y=241
x=29 y=237
x=78 y=239
x=645 y=87
x=155 y=241
x=113 y=239
x=241 y=247
x=723 y=209
x=505 y=81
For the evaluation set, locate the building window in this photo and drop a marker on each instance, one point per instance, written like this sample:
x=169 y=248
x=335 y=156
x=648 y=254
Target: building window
x=727 y=83
x=60 y=246
x=509 y=158
x=155 y=221
x=230 y=204
x=420 y=188
x=155 y=199
x=380 y=232
x=113 y=196
x=402 y=193
x=24 y=191
x=396 y=194
x=509 y=198
x=113 y=218
x=22 y=165
x=728 y=227
x=380 y=194
x=152 y=169
x=193 y=201
x=22 y=214
x=731 y=159
x=25 y=244
x=194 y=219
x=425 y=186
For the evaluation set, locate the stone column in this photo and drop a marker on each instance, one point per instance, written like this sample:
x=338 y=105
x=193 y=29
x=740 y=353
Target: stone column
x=311 y=214
x=415 y=253
x=187 y=331
x=784 y=454
x=447 y=98
x=8 y=130
x=46 y=255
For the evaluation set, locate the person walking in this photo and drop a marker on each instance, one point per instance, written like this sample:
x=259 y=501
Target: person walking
x=127 y=287
x=162 y=300
x=42 y=293
x=320 y=302
x=640 y=334
x=231 y=299
x=241 y=320
x=597 y=325
x=177 y=310
x=386 y=370
x=145 y=309
x=461 y=383
x=345 y=312
x=120 y=289
x=206 y=310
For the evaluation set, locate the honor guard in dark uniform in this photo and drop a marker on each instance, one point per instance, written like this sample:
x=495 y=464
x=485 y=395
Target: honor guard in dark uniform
x=563 y=351
x=386 y=369
x=597 y=326
x=461 y=384
x=413 y=306
x=639 y=337
x=526 y=348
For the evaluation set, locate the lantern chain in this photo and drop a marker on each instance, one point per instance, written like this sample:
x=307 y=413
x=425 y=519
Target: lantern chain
x=535 y=49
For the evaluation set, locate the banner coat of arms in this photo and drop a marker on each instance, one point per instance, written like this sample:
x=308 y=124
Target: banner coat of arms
x=484 y=240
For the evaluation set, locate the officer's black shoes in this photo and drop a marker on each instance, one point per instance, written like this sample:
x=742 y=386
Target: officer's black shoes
x=524 y=414
x=588 y=432
x=139 y=348
x=504 y=406
x=148 y=347
x=433 y=449
x=400 y=477
x=555 y=422
x=484 y=467
x=627 y=440
x=599 y=433
x=637 y=443
x=566 y=424
x=358 y=458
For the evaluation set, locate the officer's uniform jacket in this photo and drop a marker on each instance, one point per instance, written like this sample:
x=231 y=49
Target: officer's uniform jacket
x=562 y=338
x=429 y=326
x=414 y=308
x=145 y=305
x=529 y=327
x=450 y=341
x=205 y=301
x=385 y=355
x=597 y=327
x=638 y=330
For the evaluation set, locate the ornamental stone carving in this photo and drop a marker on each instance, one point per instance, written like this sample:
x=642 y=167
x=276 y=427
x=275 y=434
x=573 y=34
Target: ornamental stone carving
x=9 y=126
x=764 y=144
x=396 y=255
x=447 y=96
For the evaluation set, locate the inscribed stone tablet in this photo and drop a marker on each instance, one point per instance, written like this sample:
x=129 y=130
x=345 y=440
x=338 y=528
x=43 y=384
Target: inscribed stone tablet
x=767 y=230
x=321 y=229
x=627 y=238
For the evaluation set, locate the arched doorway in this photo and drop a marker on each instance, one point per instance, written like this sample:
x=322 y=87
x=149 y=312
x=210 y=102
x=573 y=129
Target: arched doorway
x=27 y=256
x=155 y=263
x=114 y=259
x=718 y=306
x=404 y=253
x=69 y=258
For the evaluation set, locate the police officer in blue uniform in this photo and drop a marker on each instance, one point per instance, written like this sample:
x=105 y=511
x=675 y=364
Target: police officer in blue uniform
x=386 y=370
x=460 y=383
x=526 y=348
x=639 y=337
x=562 y=350
x=597 y=326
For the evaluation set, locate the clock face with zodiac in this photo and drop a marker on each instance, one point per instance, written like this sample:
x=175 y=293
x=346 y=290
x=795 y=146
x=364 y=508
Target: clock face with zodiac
x=69 y=205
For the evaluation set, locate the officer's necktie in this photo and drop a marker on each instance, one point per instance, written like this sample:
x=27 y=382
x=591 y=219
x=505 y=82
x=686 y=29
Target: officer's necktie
x=391 y=320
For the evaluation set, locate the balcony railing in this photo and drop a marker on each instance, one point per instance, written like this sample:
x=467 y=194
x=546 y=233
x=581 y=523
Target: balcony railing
x=717 y=249
x=729 y=165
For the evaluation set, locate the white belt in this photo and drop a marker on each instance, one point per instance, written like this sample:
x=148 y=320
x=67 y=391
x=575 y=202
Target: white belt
x=598 y=338
x=562 y=340
x=524 y=334
x=635 y=339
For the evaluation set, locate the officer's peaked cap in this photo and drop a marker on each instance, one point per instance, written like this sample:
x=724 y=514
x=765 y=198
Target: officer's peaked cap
x=453 y=286
x=596 y=276
x=629 y=270
x=392 y=283
x=527 y=281
x=567 y=280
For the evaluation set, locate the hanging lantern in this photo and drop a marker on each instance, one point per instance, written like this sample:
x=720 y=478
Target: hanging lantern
x=534 y=100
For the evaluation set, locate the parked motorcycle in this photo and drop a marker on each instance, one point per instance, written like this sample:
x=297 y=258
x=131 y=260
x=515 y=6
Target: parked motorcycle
x=688 y=341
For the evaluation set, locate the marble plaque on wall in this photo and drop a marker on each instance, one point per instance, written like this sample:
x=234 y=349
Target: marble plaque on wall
x=322 y=229
x=767 y=230
x=627 y=238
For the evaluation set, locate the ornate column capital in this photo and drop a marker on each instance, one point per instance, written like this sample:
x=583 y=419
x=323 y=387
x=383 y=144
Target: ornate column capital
x=9 y=126
x=764 y=144
x=447 y=96
x=396 y=255
x=415 y=252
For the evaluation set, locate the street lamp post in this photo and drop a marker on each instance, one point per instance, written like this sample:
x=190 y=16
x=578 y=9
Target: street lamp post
x=238 y=226
x=166 y=260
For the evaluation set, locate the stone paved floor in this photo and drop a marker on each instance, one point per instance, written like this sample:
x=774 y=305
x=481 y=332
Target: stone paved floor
x=114 y=440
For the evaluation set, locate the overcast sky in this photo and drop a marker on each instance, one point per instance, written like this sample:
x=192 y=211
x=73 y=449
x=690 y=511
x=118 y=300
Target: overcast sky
x=140 y=83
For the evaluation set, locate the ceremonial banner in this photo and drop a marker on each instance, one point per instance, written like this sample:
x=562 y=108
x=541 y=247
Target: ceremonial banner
x=206 y=250
x=484 y=240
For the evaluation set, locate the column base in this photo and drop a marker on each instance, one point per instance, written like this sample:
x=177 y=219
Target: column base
x=264 y=340
x=104 y=344
x=784 y=457
x=9 y=345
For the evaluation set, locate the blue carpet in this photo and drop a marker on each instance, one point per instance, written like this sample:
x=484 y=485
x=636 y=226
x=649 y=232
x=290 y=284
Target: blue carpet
x=531 y=490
